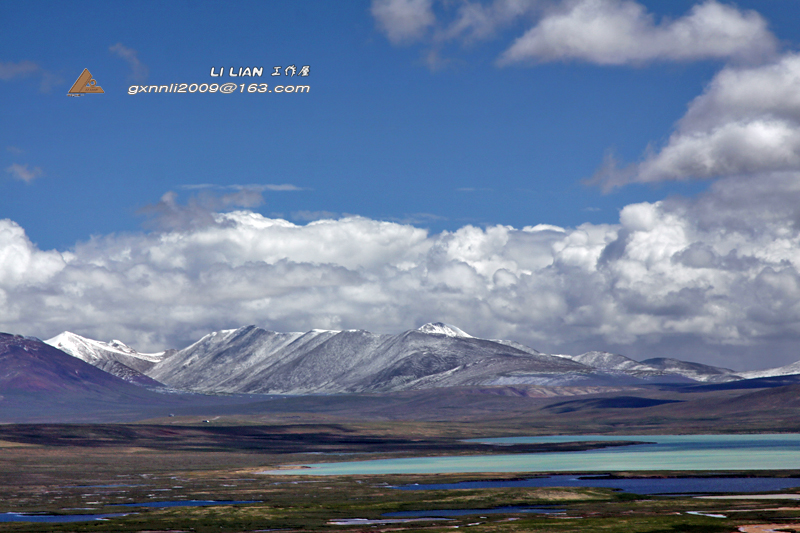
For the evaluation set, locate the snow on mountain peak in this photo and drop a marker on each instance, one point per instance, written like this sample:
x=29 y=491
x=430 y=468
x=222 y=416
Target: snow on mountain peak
x=440 y=328
x=787 y=370
x=91 y=351
x=122 y=347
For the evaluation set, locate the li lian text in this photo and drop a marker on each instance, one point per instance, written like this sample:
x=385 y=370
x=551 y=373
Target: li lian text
x=233 y=72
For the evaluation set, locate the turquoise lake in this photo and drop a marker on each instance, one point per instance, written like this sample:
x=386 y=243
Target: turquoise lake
x=669 y=452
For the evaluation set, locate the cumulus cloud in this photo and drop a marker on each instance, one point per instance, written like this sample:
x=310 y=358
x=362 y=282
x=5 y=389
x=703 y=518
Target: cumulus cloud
x=139 y=70
x=407 y=21
x=476 y=21
x=603 y=32
x=412 y=21
x=746 y=123
x=717 y=276
x=21 y=263
x=620 y=32
x=23 y=172
x=403 y=20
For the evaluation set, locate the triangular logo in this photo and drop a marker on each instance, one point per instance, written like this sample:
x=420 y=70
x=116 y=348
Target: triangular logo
x=85 y=84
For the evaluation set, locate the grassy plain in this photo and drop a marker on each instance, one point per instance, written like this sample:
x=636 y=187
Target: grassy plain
x=86 y=469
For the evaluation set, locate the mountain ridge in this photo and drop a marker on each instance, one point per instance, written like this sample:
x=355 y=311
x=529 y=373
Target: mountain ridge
x=253 y=360
x=115 y=357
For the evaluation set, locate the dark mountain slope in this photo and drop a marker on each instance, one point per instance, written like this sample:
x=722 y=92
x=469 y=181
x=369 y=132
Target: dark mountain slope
x=41 y=383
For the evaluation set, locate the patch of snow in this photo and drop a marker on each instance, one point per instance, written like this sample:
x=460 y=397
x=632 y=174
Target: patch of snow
x=440 y=328
x=788 y=370
x=611 y=362
x=90 y=350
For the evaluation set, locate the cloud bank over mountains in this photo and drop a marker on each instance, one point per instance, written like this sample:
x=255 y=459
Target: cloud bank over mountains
x=715 y=277
x=721 y=270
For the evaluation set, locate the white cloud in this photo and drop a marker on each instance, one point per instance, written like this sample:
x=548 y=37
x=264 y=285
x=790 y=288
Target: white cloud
x=747 y=123
x=620 y=32
x=407 y=21
x=139 y=70
x=260 y=187
x=403 y=20
x=271 y=187
x=720 y=273
x=603 y=32
x=21 y=263
x=478 y=21
x=23 y=173
x=24 y=69
x=10 y=71
x=198 y=186
x=413 y=21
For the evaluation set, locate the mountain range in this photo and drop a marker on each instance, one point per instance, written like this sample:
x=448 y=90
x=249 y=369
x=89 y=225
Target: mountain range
x=252 y=360
x=437 y=372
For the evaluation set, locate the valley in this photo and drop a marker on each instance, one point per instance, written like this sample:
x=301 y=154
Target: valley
x=179 y=476
x=120 y=441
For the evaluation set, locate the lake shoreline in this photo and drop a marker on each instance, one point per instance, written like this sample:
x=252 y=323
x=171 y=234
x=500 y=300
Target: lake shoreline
x=664 y=452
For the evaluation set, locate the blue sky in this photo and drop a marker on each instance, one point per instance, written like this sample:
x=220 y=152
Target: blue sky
x=379 y=135
x=435 y=119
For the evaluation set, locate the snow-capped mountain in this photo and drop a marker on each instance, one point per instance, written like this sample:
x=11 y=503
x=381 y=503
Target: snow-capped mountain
x=253 y=360
x=615 y=363
x=695 y=371
x=114 y=357
x=654 y=368
x=31 y=369
x=518 y=346
x=440 y=328
x=787 y=370
x=436 y=355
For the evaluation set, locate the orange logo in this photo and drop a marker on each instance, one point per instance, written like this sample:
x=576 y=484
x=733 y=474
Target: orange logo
x=85 y=84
